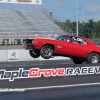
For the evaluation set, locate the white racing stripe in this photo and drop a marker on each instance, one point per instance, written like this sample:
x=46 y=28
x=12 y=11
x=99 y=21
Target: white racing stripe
x=47 y=87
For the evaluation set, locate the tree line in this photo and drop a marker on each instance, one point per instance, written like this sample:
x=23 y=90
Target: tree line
x=90 y=29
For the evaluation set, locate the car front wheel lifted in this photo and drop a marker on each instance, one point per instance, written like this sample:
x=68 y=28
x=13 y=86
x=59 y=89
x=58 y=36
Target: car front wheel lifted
x=93 y=58
x=34 y=53
x=46 y=52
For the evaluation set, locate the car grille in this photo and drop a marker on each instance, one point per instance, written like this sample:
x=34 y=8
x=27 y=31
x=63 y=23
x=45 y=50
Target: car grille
x=28 y=41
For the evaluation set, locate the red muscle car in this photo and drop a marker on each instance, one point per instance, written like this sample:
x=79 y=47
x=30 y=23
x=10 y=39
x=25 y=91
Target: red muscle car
x=79 y=49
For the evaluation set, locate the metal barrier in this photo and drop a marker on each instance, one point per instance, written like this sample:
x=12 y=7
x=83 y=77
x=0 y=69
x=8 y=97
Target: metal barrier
x=11 y=42
x=19 y=41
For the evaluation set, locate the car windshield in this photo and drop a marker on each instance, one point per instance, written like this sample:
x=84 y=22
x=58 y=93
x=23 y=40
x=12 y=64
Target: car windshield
x=62 y=37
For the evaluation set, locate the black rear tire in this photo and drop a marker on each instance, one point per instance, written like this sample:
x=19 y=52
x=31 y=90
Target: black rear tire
x=93 y=58
x=46 y=52
x=34 y=53
x=77 y=60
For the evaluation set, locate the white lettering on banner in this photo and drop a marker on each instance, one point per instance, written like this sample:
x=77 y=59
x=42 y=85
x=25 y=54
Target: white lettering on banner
x=37 y=72
x=11 y=90
x=22 y=1
x=82 y=71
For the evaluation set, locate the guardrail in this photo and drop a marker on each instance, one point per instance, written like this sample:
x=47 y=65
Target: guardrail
x=26 y=35
x=19 y=41
x=8 y=40
x=11 y=42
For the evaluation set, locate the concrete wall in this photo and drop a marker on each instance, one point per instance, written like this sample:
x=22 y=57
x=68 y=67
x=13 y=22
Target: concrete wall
x=3 y=55
x=23 y=55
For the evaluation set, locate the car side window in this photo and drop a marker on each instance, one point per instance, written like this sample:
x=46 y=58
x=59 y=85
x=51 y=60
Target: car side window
x=81 y=41
x=77 y=40
x=72 y=39
x=84 y=42
x=69 y=39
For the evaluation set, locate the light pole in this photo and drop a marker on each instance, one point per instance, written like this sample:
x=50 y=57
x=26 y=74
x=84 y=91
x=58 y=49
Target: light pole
x=77 y=20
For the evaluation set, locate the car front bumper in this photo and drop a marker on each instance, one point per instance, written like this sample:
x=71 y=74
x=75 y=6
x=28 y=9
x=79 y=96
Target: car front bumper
x=28 y=46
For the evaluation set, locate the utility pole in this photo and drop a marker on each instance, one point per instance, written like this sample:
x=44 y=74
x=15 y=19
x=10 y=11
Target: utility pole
x=77 y=20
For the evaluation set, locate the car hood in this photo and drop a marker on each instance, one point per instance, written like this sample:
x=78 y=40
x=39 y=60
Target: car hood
x=40 y=38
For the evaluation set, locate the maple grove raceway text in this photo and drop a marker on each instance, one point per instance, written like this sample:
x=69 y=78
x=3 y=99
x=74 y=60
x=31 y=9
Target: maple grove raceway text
x=37 y=72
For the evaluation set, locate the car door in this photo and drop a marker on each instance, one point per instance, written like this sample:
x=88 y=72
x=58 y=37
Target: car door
x=84 y=47
x=73 y=47
x=59 y=46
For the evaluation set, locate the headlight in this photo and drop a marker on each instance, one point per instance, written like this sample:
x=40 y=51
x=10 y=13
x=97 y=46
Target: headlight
x=33 y=41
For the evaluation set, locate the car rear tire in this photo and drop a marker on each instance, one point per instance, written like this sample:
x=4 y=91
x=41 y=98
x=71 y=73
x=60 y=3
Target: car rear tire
x=93 y=58
x=34 y=53
x=46 y=52
x=77 y=60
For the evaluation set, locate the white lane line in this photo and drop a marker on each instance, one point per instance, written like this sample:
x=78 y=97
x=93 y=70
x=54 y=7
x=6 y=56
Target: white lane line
x=47 y=87
x=62 y=86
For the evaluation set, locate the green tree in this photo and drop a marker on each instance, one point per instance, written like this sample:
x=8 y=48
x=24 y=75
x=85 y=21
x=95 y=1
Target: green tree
x=88 y=29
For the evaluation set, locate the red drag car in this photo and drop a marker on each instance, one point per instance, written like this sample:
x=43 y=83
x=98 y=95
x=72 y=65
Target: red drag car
x=77 y=48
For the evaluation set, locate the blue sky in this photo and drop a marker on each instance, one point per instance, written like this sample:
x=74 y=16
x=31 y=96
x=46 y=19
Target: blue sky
x=67 y=9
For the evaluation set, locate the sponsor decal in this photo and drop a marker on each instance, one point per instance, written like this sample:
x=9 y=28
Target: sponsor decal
x=37 y=1
x=22 y=1
x=9 y=0
x=11 y=90
x=37 y=72
x=12 y=55
x=59 y=46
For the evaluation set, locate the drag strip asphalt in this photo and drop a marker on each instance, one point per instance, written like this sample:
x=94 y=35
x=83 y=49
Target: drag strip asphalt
x=35 y=63
x=48 y=82
x=76 y=93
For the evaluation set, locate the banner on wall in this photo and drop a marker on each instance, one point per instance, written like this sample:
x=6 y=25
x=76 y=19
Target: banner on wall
x=21 y=73
x=22 y=1
x=12 y=55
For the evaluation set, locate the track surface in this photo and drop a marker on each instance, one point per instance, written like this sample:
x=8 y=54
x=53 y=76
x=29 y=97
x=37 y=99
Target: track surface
x=71 y=93
x=76 y=93
x=36 y=63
